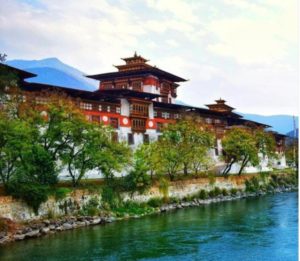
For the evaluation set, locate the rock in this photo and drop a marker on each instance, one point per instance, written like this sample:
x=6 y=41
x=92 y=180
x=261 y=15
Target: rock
x=67 y=226
x=80 y=224
x=4 y=240
x=52 y=227
x=45 y=230
x=3 y=234
x=33 y=233
x=110 y=219
x=26 y=230
x=96 y=221
x=59 y=228
x=46 y=222
x=19 y=237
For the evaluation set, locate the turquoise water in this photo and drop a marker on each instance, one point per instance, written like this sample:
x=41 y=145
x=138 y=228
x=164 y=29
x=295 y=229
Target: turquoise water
x=249 y=229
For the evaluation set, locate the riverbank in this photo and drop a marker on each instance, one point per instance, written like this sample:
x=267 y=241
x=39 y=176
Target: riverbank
x=35 y=229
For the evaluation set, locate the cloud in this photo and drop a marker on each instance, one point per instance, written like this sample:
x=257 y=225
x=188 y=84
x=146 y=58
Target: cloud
x=244 y=51
x=259 y=34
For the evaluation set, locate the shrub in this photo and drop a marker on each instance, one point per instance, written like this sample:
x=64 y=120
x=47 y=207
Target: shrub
x=273 y=183
x=92 y=207
x=155 y=202
x=61 y=193
x=33 y=194
x=269 y=187
x=203 y=194
x=263 y=188
x=217 y=191
x=137 y=180
x=174 y=200
x=233 y=191
x=211 y=193
x=225 y=192
x=164 y=188
x=189 y=198
x=252 y=185
x=110 y=197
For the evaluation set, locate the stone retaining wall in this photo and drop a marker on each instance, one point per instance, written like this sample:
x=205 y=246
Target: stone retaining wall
x=18 y=211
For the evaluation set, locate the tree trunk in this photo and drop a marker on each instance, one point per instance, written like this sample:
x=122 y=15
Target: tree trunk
x=228 y=168
x=185 y=169
x=243 y=165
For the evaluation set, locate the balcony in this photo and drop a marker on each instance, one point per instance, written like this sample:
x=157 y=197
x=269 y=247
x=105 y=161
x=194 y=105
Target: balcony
x=138 y=125
x=139 y=110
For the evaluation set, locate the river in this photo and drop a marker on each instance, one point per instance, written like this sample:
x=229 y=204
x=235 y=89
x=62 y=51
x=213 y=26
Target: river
x=264 y=228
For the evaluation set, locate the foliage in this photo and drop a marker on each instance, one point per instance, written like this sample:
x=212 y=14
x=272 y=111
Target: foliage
x=184 y=145
x=252 y=185
x=149 y=155
x=203 y=194
x=155 y=202
x=16 y=138
x=92 y=207
x=33 y=194
x=138 y=180
x=164 y=188
x=225 y=192
x=244 y=146
x=233 y=191
x=110 y=198
x=133 y=208
x=61 y=193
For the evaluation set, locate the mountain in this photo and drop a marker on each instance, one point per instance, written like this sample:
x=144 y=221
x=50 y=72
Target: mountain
x=53 y=71
x=280 y=123
x=291 y=133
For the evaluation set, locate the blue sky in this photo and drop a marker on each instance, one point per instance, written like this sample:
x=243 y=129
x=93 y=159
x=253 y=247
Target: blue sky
x=243 y=51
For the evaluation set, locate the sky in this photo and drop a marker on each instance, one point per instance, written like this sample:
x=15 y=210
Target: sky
x=245 y=52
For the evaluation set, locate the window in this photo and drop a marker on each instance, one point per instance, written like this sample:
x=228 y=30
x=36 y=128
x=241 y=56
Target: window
x=130 y=139
x=88 y=117
x=115 y=137
x=136 y=85
x=114 y=122
x=138 y=124
x=121 y=85
x=86 y=106
x=100 y=107
x=118 y=110
x=159 y=126
x=208 y=120
x=140 y=109
x=41 y=100
x=165 y=115
x=107 y=86
x=176 y=116
x=96 y=118
x=146 y=138
x=217 y=121
x=155 y=113
x=108 y=108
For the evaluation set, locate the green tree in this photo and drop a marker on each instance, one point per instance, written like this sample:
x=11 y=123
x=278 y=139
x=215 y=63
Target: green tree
x=138 y=179
x=239 y=145
x=16 y=139
x=244 y=146
x=184 y=145
x=149 y=154
x=90 y=147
